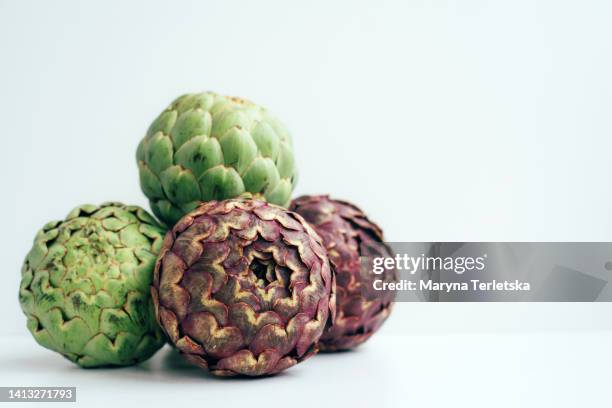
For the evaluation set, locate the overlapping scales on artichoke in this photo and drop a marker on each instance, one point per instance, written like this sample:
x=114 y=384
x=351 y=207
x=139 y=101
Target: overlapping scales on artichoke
x=85 y=285
x=349 y=235
x=210 y=147
x=243 y=287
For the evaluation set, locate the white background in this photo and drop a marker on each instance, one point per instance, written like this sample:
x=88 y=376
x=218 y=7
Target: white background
x=467 y=121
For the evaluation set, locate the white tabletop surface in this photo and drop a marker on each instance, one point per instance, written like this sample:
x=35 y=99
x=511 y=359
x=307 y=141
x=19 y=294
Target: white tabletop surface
x=533 y=369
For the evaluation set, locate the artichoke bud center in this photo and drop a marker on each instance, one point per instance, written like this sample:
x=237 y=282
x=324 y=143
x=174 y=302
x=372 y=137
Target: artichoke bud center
x=91 y=247
x=263 y=271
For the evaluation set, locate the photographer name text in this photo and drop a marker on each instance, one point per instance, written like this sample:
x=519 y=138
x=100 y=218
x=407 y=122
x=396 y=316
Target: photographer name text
x=471 y=285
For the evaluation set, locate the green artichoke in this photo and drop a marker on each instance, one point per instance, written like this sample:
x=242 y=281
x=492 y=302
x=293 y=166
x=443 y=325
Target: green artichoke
x=85 y=285
x=206 y=147
x=243 y=287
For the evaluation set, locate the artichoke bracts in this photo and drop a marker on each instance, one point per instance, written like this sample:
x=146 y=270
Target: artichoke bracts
x=348 y=235
x=243 y=287
x=211 y=147
x=85 y=285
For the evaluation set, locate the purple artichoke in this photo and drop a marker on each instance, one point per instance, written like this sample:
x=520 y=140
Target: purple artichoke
x=348 y=235
x=243 y=287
